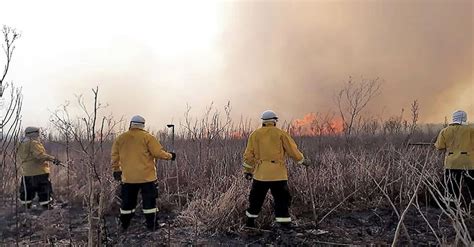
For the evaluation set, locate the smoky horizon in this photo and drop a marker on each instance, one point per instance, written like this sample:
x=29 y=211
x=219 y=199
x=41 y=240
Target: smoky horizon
x=156 y=59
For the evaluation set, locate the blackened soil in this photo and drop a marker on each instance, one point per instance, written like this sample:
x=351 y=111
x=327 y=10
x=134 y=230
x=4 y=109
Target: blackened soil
x=65 y=225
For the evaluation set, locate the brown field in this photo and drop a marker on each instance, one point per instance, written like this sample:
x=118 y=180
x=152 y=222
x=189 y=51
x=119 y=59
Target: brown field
x=369 y=188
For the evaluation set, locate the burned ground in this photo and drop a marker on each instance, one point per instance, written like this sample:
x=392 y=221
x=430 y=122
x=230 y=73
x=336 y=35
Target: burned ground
x=64 y=225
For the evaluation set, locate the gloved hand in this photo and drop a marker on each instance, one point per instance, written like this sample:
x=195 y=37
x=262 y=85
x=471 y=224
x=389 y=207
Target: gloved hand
x=307 y=162
x=248 y=176
x=173 y=156
x=56 y=162
x=118 y=176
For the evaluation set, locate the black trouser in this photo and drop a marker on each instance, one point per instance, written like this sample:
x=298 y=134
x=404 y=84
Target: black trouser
x=129 y=202
x=32 y=185
x=281 y=196
x=460 y=185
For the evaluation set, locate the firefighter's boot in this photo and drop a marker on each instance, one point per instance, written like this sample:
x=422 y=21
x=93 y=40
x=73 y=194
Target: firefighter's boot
x=250 y=223
x=151 y=223
x=285 y=227
x=125 y=220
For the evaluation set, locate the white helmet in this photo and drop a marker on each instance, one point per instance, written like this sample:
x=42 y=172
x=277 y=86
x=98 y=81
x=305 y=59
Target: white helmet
x=137 y=119
x=32 y=131
x=269 y=116
x=459 y=117
x=137 y=122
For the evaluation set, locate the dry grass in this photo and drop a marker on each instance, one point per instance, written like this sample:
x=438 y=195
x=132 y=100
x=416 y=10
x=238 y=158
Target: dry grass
x=361 y=172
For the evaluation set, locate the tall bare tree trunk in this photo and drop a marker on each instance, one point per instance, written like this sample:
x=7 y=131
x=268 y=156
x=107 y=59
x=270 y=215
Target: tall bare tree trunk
x=90 y=217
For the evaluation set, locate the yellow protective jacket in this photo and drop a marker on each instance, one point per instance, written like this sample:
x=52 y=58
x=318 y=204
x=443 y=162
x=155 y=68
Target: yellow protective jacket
x=458 y=141
x=134 y=153
x=266 y=153
x=33 y=158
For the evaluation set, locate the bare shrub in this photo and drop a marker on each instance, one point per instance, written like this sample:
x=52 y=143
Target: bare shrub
x=10 y=127
x=90 y=136
x=10 y=110
x=353 y=98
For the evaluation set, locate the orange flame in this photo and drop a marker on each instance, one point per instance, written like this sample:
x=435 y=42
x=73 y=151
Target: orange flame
x=238 y=134
x=313 y=125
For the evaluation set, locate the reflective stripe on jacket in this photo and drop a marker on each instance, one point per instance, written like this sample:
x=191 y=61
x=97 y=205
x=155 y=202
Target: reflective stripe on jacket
x=134 y=153
x=458 y=141
x=33 y=158
x=266 y=153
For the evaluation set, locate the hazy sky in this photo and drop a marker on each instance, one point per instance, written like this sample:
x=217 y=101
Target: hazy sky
x=153 y=57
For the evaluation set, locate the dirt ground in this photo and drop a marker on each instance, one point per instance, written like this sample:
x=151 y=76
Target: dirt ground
x=367 y=227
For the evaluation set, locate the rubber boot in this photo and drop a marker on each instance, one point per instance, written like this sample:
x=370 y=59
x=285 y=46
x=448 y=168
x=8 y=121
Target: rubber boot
x=46 y=206
x=125 y=220
x=250 y=223
x=151 y=223
x=285 y=226
x=23 y=208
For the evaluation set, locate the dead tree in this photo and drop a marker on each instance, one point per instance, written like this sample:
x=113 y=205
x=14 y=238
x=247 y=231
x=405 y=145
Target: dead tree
x=10 y=125
x=353 y=98
x=10 y=107
x=10 y=35
x=89 y=132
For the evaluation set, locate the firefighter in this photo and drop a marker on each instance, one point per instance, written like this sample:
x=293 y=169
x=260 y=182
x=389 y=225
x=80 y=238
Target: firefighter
x=35 y=167
x=134 y=155
x=457 y=140
x=264 y=162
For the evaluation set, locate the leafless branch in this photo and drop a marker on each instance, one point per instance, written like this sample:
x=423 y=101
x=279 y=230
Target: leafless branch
x=10 y=35
x=353 y=98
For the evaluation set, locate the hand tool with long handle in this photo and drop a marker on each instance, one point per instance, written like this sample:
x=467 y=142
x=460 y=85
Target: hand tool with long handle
x=311 y=193
x=171 y=126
